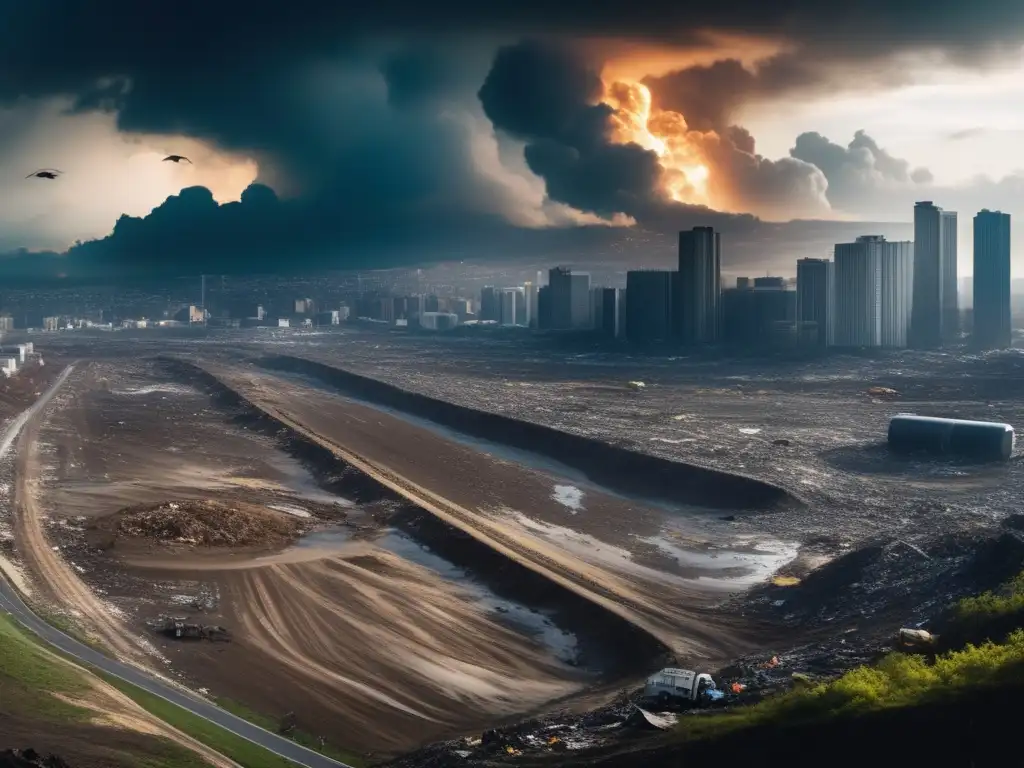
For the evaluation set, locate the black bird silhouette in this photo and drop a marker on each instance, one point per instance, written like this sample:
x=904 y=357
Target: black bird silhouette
x=177 y=159
x=44 y=173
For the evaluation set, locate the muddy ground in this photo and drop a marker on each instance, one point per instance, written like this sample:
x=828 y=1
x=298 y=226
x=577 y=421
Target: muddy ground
x=359 y=627
x=880 y=542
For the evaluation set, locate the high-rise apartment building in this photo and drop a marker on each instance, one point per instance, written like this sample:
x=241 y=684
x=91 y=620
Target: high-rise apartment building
x=649 y=310
x=489 y=304
x=873 y=292
x=815 y=301
x=992 y=327
x=699 y=288
x=935 y=311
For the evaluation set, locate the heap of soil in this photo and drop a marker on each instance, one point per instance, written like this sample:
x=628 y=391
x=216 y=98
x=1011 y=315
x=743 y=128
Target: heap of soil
x=205 y=523
x=29 y=758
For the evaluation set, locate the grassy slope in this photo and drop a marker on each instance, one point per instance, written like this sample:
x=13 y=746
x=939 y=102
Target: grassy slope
x=29 y=678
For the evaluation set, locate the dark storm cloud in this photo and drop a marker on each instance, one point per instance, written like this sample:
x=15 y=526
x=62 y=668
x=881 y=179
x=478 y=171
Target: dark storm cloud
x=344 y=114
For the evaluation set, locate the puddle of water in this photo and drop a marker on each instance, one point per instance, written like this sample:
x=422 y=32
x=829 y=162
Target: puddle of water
x=741 y=563
x=562 y=644
x=569 y=496
x=736 y=565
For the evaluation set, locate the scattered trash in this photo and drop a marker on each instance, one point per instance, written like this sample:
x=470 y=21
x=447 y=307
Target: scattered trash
x=915 y=638
x=785 y=581
x=636 y=385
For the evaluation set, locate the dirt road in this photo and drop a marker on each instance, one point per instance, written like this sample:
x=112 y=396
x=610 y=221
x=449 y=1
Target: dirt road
x=674 y=616
x=49 y=570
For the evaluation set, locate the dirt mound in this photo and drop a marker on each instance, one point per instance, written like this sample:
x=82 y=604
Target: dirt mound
x=205 y=523
x=29 y=758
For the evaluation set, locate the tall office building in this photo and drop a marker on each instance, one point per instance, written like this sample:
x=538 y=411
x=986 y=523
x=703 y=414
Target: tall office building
x=935 y=310
x=759 y=315
x=544 y=308
x=873 y=292
x=529 y=304
x=564 y=296
x=580 y=317
x=698 y=295
x=510 y=306
x=897 y=292
x=489 y=307
x=992 y=328
x=649 y=310
x=815 y=301
x=950 y=284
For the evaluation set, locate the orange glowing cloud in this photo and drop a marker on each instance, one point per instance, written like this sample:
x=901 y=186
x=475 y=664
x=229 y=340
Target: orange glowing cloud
x=682 y=152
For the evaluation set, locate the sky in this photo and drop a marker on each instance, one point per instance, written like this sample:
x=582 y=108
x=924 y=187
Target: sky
x=324 y=136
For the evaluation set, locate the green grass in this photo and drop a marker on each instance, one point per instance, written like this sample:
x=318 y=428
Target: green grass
x=299 y=737
x=29 y=676
x=242 y=751
x=901 y=680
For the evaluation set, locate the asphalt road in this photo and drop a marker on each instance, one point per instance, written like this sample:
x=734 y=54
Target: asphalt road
x=12 y=603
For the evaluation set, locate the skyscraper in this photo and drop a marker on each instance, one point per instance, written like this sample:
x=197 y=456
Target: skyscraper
x=950 y=284
x=649 y=310
x=992 y=328
x=815 y=301
x=897 y=292
x=579 y=297
x=560 y=296
x=489 y=307
x=935 y=312
x=873 y=292
x=698 y=296
x=529 y=304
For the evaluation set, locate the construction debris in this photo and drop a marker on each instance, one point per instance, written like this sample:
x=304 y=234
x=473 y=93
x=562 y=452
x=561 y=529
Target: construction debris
x=206 y=522
x=180 y=628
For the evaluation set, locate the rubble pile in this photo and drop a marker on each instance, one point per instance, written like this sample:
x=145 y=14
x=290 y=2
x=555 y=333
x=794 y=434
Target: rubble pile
x=207 y=523
x=29 y=758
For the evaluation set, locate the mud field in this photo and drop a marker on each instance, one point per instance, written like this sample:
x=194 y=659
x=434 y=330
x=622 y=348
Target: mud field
x=553 y=556
x=142 y=500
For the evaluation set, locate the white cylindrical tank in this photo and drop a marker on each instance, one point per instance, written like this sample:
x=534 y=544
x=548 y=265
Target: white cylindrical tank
x=984 y=440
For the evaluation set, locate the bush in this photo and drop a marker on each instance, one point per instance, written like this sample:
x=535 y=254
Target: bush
x=989 y=616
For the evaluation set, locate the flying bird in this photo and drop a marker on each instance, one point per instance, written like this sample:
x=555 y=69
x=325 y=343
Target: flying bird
x=177 y=159
x=45 y=173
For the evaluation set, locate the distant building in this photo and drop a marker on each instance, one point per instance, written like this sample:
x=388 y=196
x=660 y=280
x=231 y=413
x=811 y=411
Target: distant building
x=283 y=322
x=462 y=307
x=489 y=307
x=304 y=307
x=521 y=316
x=544 y=318
x=438 y=321
x=815 y=301
x=261 y=313
x=935 y=315
x=431 y=303
x=760 y=316
x=570 y=299
x=529 y=317
x=649 y=310
x=698 y=295
x=511 y=302
x=344 y=313
x=330 y=317
x=8 y=365
x=743 y=282
x=51 y=323
x=6 y=323
x=605 y=310
x=991 y=321
x=873 y=292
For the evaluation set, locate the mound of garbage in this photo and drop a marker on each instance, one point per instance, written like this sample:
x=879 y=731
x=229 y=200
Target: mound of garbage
x=207 y=523
x=29 y=758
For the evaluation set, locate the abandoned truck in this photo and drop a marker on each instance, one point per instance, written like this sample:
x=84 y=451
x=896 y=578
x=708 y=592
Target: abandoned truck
x=681 y=687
